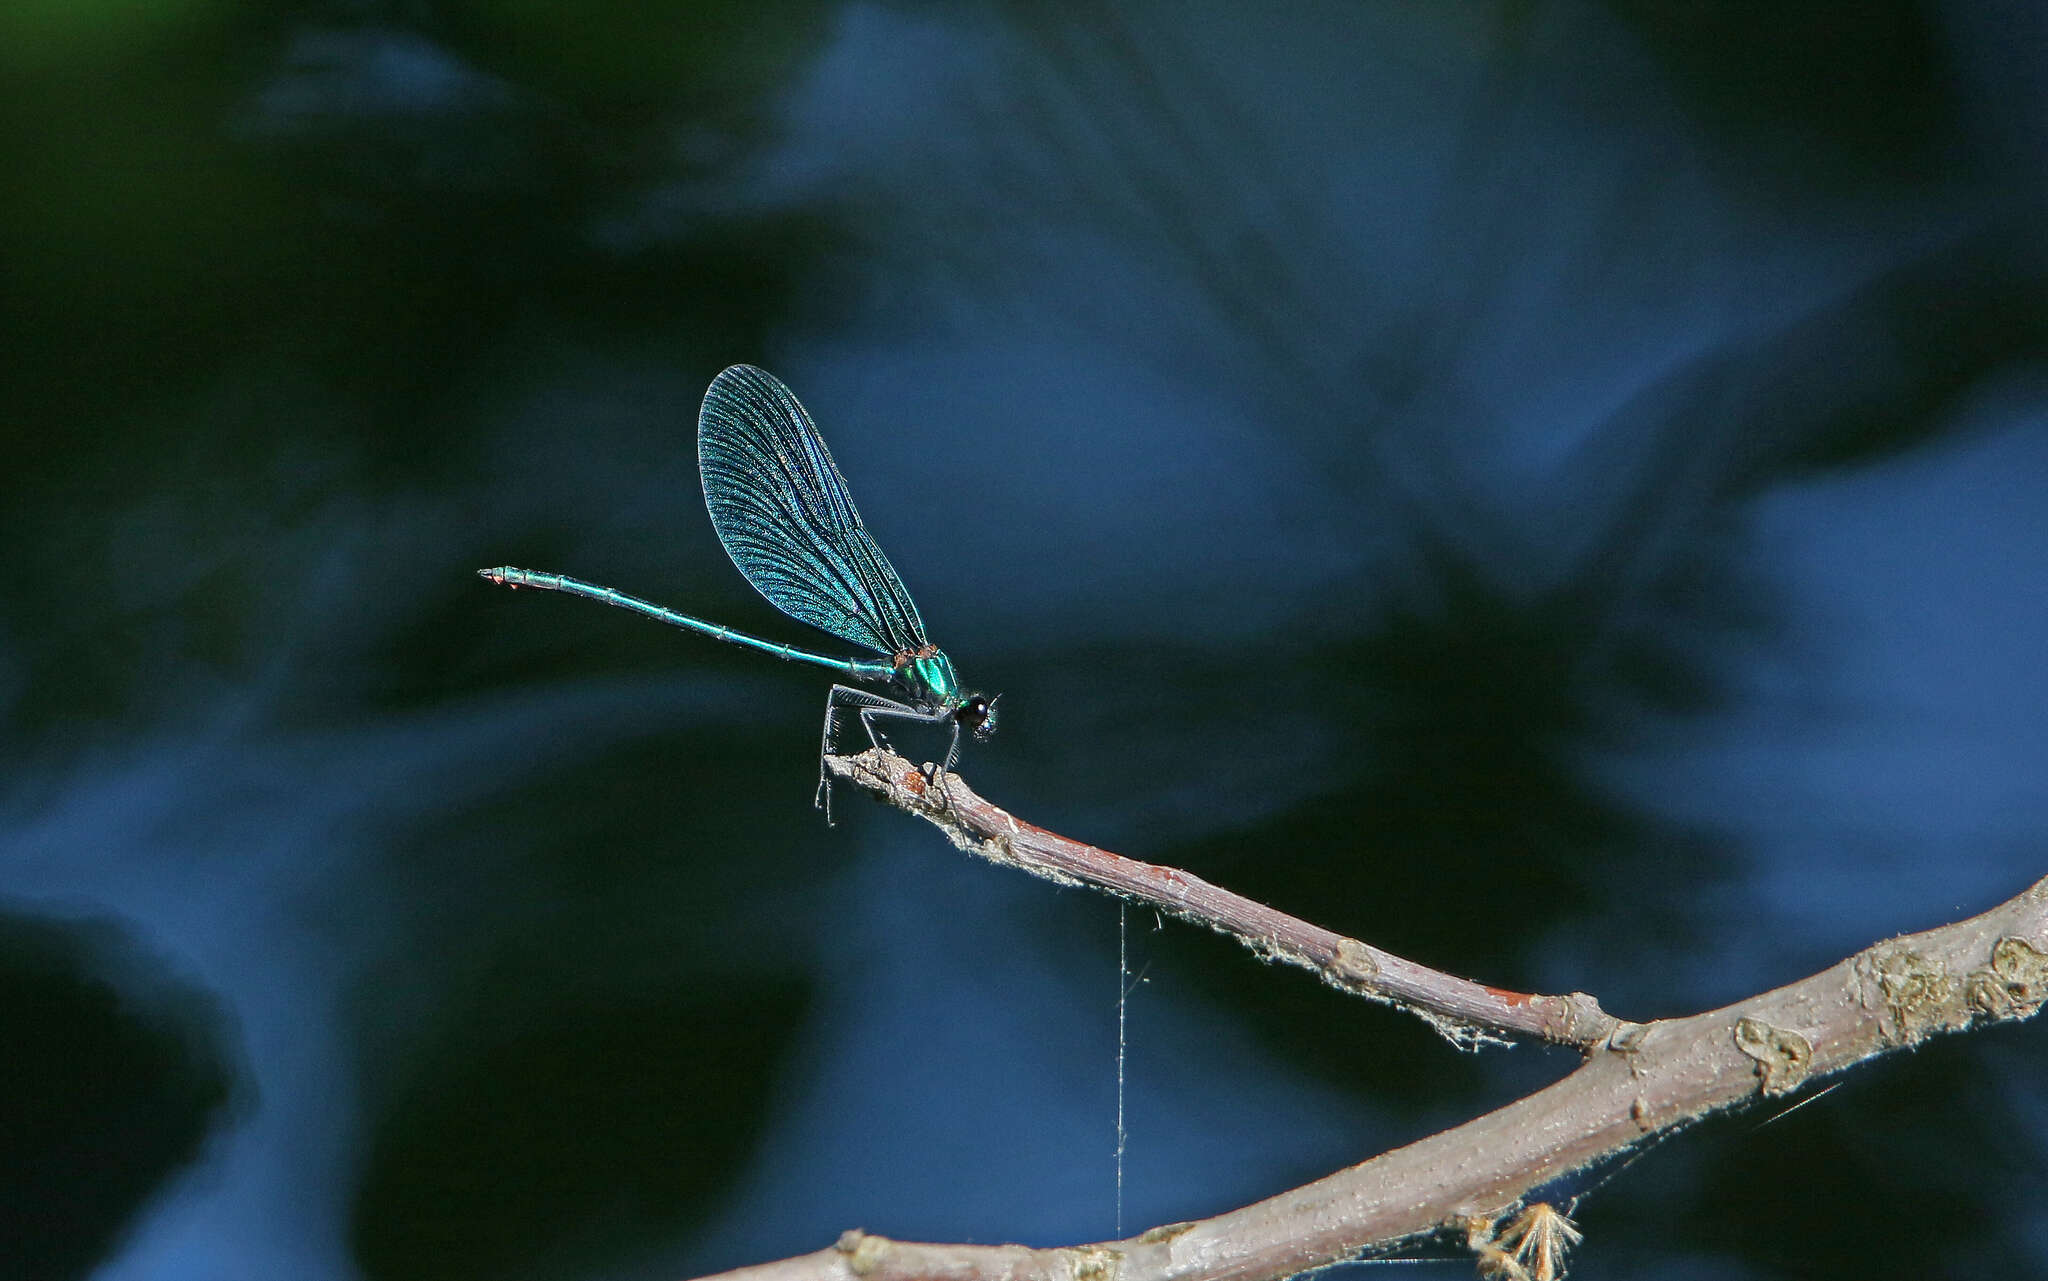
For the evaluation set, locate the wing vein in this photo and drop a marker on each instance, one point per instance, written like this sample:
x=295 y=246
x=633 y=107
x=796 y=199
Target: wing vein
x=783 y=513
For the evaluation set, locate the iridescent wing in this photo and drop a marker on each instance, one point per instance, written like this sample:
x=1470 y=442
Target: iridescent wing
x=781 y=508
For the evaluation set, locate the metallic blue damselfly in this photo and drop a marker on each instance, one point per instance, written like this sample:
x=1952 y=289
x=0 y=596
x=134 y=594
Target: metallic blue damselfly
x=782 y=512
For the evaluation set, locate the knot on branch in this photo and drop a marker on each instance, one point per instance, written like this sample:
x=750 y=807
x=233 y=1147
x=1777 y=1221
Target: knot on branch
x=1917 y=992
x=1782 y=1055
x=1577 y=1019
x=1095 y=1263
x=2013 y=985
x=864 y=1253
x=1354 y=966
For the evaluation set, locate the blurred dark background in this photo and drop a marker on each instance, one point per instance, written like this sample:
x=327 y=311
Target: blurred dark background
x=1559 y=491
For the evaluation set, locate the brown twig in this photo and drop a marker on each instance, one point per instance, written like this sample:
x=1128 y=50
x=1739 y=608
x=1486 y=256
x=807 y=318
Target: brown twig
x=1465 y=1011
x=1644 y=1079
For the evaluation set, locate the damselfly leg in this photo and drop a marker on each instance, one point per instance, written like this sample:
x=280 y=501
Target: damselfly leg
x=872 y=707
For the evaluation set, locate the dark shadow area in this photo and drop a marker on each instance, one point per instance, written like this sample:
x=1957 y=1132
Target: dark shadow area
x=115 y=1073
x=546 y=1143
x=1830 y=91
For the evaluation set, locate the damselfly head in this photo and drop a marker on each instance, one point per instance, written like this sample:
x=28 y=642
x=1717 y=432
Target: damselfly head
x=978 y=714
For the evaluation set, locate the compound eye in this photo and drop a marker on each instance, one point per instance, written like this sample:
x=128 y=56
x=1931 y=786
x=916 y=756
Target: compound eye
x=973 y=713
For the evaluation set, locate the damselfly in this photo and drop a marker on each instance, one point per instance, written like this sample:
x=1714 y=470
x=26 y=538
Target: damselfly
x=782 y=512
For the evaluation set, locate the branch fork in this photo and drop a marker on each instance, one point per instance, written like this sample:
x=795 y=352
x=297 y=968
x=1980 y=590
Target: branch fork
x=1469 y=1184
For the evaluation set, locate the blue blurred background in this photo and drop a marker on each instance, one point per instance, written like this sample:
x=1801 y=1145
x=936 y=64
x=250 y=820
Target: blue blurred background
x=1557 y=490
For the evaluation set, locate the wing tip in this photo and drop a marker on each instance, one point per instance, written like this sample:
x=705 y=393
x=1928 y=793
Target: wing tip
x=745 y=392
x=742 y=375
